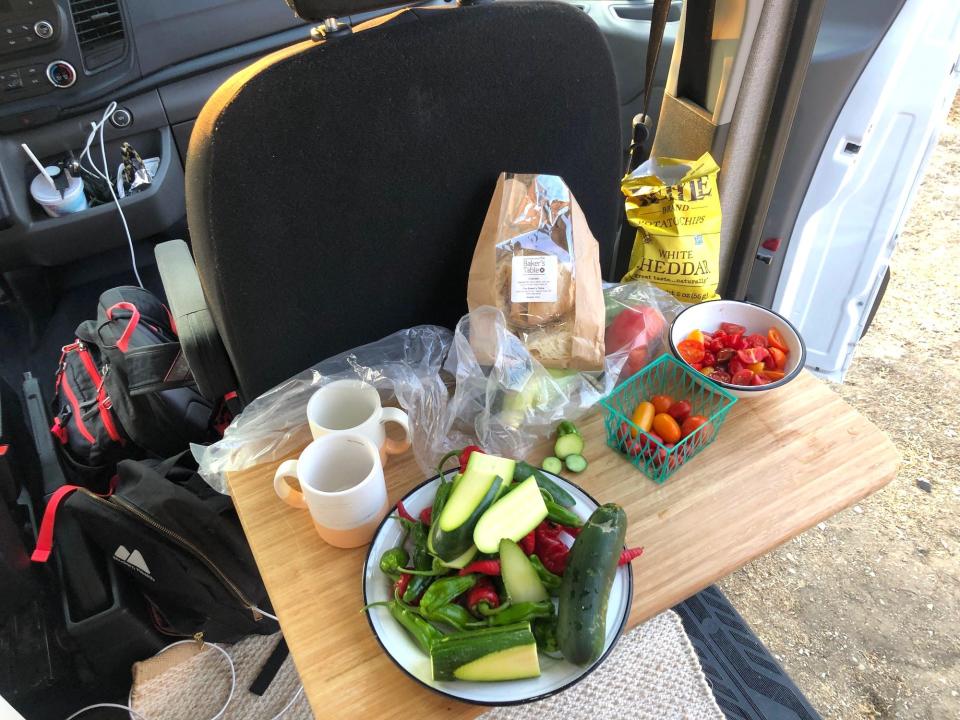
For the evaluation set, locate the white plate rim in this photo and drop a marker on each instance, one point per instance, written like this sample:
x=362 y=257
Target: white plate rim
x=473 y=701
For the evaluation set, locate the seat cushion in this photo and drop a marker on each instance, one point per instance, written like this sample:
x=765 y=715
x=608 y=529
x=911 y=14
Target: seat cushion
x=335 y=190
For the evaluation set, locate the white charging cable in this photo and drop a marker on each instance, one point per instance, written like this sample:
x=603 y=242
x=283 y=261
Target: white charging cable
x=134 y=715
x=97 y=127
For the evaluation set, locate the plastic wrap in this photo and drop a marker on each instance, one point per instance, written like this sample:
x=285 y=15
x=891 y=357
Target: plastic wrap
x=505 y=400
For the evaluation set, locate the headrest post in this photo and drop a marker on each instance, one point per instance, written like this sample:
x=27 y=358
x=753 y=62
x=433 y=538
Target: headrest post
x=329 y=30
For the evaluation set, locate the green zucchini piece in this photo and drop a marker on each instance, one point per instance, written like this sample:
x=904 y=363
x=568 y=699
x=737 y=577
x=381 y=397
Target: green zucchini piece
x=519 y=576
x=490 y=654
x=472 y=488
x=560 y=496
x=571 y=444
x=576 y=463
x=552 y=465
x=585 y=588
x=448 y=545
x=512 y=516
x=462 y=561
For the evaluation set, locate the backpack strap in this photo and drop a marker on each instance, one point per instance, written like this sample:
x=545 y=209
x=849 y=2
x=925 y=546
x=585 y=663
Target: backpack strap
x=41 y=553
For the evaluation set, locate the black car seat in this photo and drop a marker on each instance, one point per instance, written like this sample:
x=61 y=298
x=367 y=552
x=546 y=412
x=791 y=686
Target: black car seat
x=335 y=189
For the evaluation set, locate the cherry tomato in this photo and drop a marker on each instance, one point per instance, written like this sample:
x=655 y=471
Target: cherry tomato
x=691 y=424
x=779 y=357
x=756 y=341
x=666 y=427
x=752 y=355
x=734 y=366
x=720 y=376
x=708 y=371
x=725 y=355
x=775 y=340
x=691 y=351
x=735 y=342
x=680 y=410
x=756 y=367
x=696 y=336
x=661 y=403
x=623 y=434
x=759 y=380
x=643 y=417
x=742 y=377
x=709 y=359
x=716 y=345
x=773 y=375
x=732 y=328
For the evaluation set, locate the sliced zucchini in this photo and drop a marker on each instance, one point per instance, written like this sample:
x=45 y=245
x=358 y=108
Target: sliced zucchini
x=487 y=655
x=472 y=488
x=571 y=444
x=448 y=545
x=462 y=561
x=576 y=463
x=519 y=576
x=512 y=516
x=552 y=465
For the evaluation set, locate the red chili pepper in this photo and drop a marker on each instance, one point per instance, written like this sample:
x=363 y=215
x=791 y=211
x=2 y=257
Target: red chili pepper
x=400 y=586
x=484 y=567
x=630 y=554
x=551 y=549
x=483 y=591
x=465 y=455
x=402 y=512
x=528 y=543
x=426 y=514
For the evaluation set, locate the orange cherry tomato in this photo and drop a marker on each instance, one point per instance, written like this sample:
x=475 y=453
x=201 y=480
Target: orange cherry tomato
x=666 y=427
x=756 y=367
x=779 y=357
x=643 y=417
x=775 y=339
x=692 y=423
x=773 y=375
x=661 y=403
x=691 y=351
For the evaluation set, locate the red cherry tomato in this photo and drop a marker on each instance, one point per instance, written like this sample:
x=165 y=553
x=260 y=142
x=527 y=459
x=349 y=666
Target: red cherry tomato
x=742 y=377
x=752 y=355
x=680 y=410
x=661 y=403
x=775 y=340
x=720 y=376
x=736 y=342
x=759 y=379
x=732 y=328
x=691 y=424
x=734 y=366
x=709 y=359
x=691 y=351
x=756 y=341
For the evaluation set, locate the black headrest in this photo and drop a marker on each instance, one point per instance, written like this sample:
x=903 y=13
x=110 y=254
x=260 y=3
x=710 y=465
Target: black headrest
x=323 y=9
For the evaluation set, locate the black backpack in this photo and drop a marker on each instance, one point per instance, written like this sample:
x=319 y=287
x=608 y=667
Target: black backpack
x=179 y=540
x=124 y=390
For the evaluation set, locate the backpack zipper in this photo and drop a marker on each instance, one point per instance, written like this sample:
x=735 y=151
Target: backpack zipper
x=117 y=502
x=71 y=396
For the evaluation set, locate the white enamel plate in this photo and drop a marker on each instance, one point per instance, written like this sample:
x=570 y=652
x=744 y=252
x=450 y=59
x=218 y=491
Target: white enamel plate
x=555 y=674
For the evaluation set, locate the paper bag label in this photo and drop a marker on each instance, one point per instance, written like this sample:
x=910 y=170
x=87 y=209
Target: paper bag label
x=534 y=278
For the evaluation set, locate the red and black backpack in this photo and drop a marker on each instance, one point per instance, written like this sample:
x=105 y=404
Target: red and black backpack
x=124 y=390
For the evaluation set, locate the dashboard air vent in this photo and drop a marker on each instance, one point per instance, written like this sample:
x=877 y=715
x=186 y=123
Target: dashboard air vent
x=99 y=28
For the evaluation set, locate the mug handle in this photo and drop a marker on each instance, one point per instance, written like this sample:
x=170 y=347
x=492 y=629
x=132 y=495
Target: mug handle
x=293 y=498
x=391 y=446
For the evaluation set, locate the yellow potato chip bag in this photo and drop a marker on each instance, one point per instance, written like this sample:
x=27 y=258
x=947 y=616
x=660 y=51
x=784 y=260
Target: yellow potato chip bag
x=675 y=206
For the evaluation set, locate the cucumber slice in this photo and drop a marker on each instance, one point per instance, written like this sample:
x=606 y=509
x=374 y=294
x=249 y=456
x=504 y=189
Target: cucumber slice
x=490 y=654
x=576 y=463
x=519 y=576
x=568 y=445
x=552 y=465
x=512 y=516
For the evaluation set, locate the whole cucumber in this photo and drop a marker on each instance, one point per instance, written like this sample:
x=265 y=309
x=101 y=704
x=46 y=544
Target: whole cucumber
x=585 y=588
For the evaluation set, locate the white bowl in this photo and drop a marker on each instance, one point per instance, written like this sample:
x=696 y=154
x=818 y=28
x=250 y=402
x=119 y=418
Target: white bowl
x=707 y=317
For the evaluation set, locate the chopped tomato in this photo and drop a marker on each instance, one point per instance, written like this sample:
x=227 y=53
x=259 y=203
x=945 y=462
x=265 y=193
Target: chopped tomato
x=742 y=377
x=696 y=336
x=736 y=342
x=734 y=366
x=725 y=355
x=661 y=403
x=732 y=328
x=752 y=355
x=720 y=376
x=709 y=359
x=759 y=380
x=691 y=351
x=775 y=340
x=756 y=341
x=756 y=367
x=708 y=371
x=779 y=357
x=773 y=375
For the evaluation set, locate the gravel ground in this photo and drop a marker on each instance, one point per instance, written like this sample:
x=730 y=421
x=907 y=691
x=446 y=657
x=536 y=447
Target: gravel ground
x=864 y=610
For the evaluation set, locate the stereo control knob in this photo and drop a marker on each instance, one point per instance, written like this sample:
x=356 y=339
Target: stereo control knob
x=43 y=29
x=61 y=74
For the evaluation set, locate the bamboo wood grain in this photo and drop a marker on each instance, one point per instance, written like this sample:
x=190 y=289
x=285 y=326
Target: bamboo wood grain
x=780 y=465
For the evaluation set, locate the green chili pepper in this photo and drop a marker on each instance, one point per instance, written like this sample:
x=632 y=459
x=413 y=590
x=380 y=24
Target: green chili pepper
x=392 y=560
x=519 y=612
x=545 y=632
x=559 y=514
x=443 y=461
x=422 y=561
x=452 y=614
x=550 y=580
x=446 y=590
x=422 y=631
x=440 y=499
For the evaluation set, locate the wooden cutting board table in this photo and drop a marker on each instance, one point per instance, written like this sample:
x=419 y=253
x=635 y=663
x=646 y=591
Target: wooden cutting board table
x=780 y=465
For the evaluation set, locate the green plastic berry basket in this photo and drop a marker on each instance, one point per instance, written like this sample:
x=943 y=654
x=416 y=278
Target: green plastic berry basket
x=664 y=376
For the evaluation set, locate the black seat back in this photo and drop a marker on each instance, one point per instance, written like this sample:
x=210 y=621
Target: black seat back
x=335 y=190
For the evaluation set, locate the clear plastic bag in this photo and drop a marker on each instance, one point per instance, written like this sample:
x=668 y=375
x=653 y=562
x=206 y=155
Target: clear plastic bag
x=505 y=400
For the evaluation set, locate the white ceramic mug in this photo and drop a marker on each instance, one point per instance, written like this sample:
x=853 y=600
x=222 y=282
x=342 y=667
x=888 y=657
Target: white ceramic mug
x=353 y=406
x=341 y=484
